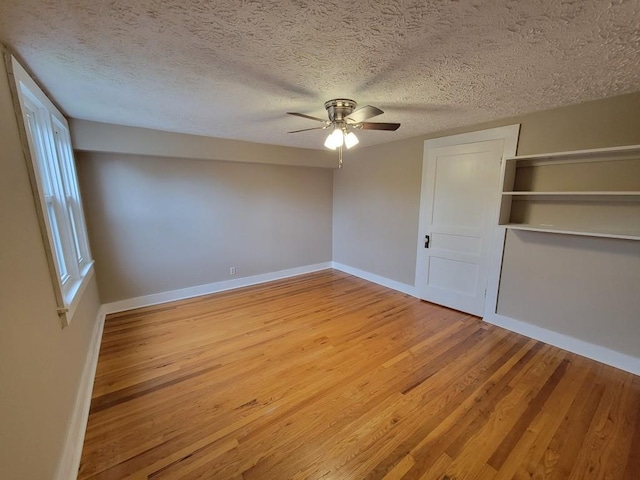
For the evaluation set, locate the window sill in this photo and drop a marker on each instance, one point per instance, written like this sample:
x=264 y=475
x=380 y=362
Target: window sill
x=74 y=294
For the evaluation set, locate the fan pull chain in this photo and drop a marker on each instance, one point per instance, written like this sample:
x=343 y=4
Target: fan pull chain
x=340 y=156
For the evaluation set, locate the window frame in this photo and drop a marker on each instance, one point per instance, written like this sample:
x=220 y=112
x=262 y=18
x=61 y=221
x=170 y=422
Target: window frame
x=48 y=151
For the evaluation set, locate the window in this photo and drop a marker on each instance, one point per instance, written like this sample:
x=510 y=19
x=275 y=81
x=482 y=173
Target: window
x=55 y=185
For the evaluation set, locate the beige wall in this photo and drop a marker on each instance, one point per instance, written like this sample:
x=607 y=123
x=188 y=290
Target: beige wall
x=370 y=221
x=161 y=224
x=40 y=363
x=375 y=212
x=584 y=287
x=108 y=138
x=376 y=207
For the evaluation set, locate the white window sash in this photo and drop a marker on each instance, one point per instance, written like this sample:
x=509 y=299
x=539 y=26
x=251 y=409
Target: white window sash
x=55 y=186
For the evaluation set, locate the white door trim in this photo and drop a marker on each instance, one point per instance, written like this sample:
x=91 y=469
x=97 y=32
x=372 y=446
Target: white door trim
x=509 y=134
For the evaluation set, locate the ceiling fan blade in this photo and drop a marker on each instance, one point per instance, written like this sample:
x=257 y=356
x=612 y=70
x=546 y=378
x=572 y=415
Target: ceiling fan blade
x=364 y=113
x=307 y=129
x=308 y=117
x=378 y=126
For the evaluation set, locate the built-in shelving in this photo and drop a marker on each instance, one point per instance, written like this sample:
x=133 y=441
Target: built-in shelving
x=574 y=231
x=581 y=196
x=588 y=192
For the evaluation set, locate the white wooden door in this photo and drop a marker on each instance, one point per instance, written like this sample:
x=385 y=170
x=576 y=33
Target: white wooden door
x=458 y=218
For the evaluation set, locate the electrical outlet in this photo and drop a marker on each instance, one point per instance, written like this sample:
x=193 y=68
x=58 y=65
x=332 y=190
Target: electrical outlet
x=232 y=271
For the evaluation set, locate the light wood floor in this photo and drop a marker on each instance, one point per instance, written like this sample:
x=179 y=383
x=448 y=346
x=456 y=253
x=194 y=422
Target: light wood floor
x=329 y=376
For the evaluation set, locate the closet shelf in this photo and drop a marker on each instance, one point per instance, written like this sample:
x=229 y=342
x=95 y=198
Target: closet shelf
x=589 y=192
x=576 y=196
x=586 y=232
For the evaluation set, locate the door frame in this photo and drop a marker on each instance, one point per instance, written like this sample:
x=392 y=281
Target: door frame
x=509 y=134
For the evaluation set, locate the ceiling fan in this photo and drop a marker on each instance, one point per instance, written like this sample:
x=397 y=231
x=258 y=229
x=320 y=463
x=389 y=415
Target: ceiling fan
x=343 y=117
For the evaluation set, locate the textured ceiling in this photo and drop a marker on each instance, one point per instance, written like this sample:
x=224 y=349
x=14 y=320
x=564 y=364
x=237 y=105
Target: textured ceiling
x=232 y=68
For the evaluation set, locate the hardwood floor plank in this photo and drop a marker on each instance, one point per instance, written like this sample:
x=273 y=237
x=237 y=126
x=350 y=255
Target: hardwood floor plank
x=559 y=456
x=441 y=421
x=534 y=440
x=526 y=418
x=438 y=469
x=391 y=384
x=483 y=435
x=329 y=376
x=593 y=458
x=626 y=415
x=632 y=466
x=469 y=411
x=402 y=467
x=194 y=461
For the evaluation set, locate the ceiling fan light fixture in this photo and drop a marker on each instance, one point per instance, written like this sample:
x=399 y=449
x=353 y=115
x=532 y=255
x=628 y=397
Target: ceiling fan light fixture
x=350 y=140
x=334 y=140
x=329 y=144
x=343 y=117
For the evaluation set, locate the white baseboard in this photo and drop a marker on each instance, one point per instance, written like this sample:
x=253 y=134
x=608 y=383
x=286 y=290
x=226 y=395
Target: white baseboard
x=372 y=277
x=560 y=340
x=571 y=344
x=183 y=293
x=70 y=461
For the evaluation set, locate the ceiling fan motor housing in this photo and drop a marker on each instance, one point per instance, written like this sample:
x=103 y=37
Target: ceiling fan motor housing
x=339 y=109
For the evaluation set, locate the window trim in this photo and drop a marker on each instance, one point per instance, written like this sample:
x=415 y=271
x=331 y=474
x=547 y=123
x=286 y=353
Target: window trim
x=54 y=185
